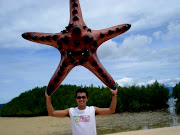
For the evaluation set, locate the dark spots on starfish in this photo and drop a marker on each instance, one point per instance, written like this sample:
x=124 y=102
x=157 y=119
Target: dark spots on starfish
x=75 y=64
x=63 y=53
x=118 y=29
x=82 y=53
x=111 y=32
x=25 y=36
x=50 y=89
x=74 y=11
x=104 y=75
x=75 y=18
x=64 y=64
x=95 y=43
x=48 y=37
x=60 y=46
x=127 y=27
x=64 y=31
x=83 y=61
x=84 y=26
x=67 y=28
x=88 y=38
x=100 y=70
x=113 y=86
x=102 y=35
x=85 y=53
x=56 y=80
x=76 y=30
x=89 y=30
x=64 y=39
x=59 y=43
x=72 y=61
x=70 y=25
x=75 y=4
x=95 y=63
x=54 y=37
x=69 y=54
x=76 y=43
x=33 y=37
x=92 y=50
x=60 y=49
x=59 y=74
x=61 y=69
x=42 y=38
x=108 y=80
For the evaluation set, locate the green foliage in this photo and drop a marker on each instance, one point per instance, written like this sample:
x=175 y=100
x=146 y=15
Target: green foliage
x=143 y=98
x=135 y=98
x=29 y=103
x=176 y=94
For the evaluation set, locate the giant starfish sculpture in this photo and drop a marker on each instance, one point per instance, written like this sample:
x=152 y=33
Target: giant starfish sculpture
x=78 y=45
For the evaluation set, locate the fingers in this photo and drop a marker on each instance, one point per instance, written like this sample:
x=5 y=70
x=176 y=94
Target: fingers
x=46 y=95
x=114 y=92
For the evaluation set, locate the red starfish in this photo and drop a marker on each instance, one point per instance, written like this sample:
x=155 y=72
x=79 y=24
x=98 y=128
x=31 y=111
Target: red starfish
x=77 y=45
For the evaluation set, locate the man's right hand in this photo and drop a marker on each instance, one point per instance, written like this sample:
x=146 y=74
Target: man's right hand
x=47 y=96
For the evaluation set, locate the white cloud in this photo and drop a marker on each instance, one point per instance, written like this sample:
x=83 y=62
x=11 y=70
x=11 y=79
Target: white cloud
x=132 y=46
x=134 y=55
x=166 y=82
x=16 y=17
x=150 y=18
x=128 y=82
x=157 y=34
x=144 y=17
x=125 y=82
x=108 y=50
x=171 y=32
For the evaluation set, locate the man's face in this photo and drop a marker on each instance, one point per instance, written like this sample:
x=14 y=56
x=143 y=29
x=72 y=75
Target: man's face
x=81 y=99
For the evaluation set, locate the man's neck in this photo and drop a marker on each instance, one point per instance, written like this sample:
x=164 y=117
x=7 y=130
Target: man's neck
x=81 y=107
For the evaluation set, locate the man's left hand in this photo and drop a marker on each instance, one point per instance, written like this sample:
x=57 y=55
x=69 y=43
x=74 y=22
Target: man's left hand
x=114 y=92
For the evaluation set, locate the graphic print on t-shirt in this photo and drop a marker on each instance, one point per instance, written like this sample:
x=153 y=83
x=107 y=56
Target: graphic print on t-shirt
x=82 y=118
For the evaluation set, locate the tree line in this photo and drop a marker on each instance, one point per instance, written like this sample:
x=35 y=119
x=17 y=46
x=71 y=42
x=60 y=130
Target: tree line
x=176 y=94
x=131 y=99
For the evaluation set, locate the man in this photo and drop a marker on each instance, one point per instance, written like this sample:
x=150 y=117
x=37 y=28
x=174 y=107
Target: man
x=82 y=117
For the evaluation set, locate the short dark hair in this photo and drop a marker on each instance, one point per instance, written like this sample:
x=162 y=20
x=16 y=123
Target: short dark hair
x=81 y=90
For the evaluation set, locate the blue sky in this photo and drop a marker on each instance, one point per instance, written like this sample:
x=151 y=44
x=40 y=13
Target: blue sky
x=149 y=51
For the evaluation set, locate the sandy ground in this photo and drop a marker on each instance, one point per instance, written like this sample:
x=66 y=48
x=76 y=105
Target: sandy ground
x=105 y=124
x=35 y=125
x=158 y=131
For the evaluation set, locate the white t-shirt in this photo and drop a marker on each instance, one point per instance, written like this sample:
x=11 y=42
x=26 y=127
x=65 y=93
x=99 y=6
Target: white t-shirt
x=83 y=121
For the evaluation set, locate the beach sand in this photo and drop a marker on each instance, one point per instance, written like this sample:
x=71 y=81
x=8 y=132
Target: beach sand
x=108 y=124
x=35 y=125
x=158 y=131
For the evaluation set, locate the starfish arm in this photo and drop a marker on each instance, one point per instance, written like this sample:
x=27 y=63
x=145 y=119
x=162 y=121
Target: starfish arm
x=78 y=45
x=109 y=33
x=76 y=17
x=43 y=38
x=95 y=66
x=61 y=72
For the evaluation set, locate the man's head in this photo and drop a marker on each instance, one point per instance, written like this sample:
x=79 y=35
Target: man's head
x=81 y=90
x=81 y=97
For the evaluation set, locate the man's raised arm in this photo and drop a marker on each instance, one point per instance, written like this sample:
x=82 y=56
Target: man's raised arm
x=112 y=107
x=52 y=112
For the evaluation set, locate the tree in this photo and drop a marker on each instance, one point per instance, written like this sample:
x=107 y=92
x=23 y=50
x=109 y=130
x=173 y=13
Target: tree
x=176 y=94
x=135 y=98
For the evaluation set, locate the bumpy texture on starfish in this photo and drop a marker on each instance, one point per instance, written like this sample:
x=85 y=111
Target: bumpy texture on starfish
x=78 y=45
